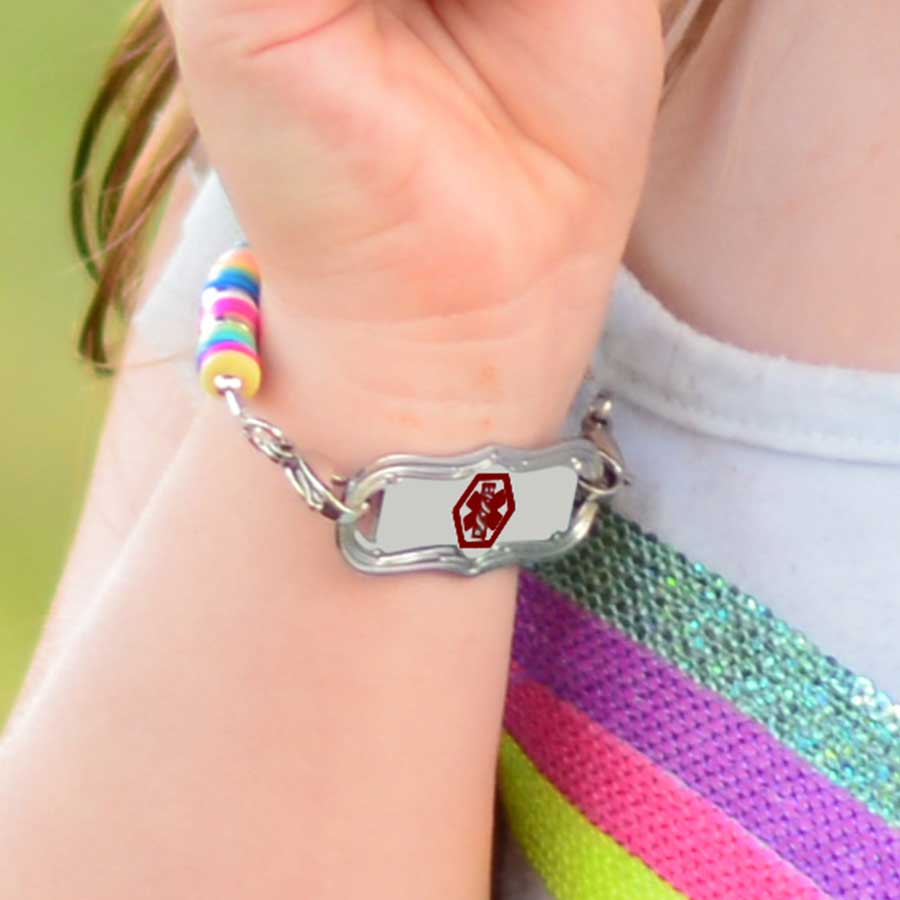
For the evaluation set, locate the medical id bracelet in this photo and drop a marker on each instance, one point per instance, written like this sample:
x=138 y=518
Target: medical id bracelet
x=466 y=514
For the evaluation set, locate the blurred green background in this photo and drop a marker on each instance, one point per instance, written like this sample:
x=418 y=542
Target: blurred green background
x=53 y=404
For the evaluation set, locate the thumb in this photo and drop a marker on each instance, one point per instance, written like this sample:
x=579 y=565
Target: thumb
x=300 y=73
x=298 y=83
x=248 y=26
x=237 y=39
x=588 y=71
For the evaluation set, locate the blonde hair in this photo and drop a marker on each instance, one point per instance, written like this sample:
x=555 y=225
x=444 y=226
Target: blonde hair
x=113 y=224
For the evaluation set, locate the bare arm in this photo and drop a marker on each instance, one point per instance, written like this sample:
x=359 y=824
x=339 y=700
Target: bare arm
x=147 y=419
x=240 y=714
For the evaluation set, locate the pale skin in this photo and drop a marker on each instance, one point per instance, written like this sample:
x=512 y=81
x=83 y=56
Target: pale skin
x=840 y=333
x=771 y=213
x=146 y=422
x=237 y=712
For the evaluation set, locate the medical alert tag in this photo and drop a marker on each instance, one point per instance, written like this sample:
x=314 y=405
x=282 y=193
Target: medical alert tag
x=496 y=506
x=483 y=510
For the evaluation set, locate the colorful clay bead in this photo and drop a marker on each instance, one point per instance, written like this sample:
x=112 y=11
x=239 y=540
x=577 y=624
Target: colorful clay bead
x=224 y=331
x=234 y=278
x=230 y=322
x=210 y=326
x=235 y=362
x=210 y=295
x=235 y=268
x=242 y=257
x=245 y=271
x=234 y=306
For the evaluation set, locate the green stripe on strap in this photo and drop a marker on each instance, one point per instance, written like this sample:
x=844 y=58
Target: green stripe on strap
x=575 y=859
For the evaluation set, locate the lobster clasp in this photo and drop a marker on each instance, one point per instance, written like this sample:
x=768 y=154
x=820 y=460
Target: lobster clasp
x=596 y=426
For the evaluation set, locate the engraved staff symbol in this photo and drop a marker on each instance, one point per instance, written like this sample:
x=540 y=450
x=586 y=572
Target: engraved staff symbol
x=483 y=510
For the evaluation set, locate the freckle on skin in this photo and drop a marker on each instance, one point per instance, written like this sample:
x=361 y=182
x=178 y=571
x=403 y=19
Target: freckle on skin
x=487 y=382
x=405 y=418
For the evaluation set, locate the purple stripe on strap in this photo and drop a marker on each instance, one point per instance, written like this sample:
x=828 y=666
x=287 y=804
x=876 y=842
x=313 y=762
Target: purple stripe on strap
x=708 y=743
x=689 y=842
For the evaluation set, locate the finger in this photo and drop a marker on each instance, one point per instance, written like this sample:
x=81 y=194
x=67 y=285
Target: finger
x=305 y=53
x=583 y=73
x=297 y=77
x=250 y=26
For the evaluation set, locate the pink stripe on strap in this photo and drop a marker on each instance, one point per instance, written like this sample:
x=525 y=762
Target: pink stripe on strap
x=705 y=741
x=684 y=838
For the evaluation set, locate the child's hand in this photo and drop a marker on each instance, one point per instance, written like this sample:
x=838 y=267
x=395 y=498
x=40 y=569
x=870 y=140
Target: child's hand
x=414 y=160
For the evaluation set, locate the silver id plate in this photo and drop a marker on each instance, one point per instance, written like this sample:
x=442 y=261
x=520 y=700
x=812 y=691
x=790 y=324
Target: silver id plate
x=489 y=509
x=497 y=506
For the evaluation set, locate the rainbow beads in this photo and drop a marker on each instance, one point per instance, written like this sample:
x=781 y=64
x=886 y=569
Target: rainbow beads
x=230 y=322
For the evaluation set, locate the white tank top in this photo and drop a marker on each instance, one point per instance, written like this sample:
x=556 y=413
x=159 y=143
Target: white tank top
x=782 y=476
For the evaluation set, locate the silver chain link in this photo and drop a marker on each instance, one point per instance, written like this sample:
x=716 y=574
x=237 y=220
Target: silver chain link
x=272 y=441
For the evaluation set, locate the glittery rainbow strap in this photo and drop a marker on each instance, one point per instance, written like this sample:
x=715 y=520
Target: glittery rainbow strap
x=666 y=735
x=230 y=322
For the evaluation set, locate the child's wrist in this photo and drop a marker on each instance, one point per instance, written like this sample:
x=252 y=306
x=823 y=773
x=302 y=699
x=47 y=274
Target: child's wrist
x=350 y=398
x=351 y=425
x=432 y=383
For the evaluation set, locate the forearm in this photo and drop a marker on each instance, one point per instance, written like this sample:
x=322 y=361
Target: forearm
x=146 y=418
x=242 y=714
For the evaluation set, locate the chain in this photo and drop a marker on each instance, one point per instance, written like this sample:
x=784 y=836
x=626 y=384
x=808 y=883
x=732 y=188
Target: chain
x=272 y=441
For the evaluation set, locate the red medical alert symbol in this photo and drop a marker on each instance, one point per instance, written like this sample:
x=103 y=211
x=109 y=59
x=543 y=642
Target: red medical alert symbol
x=483 y=510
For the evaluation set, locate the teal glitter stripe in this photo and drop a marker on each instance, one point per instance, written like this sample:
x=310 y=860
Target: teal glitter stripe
x=730 y=642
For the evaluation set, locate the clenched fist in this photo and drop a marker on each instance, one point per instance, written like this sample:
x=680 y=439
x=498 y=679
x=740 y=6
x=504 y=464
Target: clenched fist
x=439 y=190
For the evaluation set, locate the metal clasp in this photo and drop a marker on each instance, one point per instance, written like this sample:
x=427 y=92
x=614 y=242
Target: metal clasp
x=596 y=426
